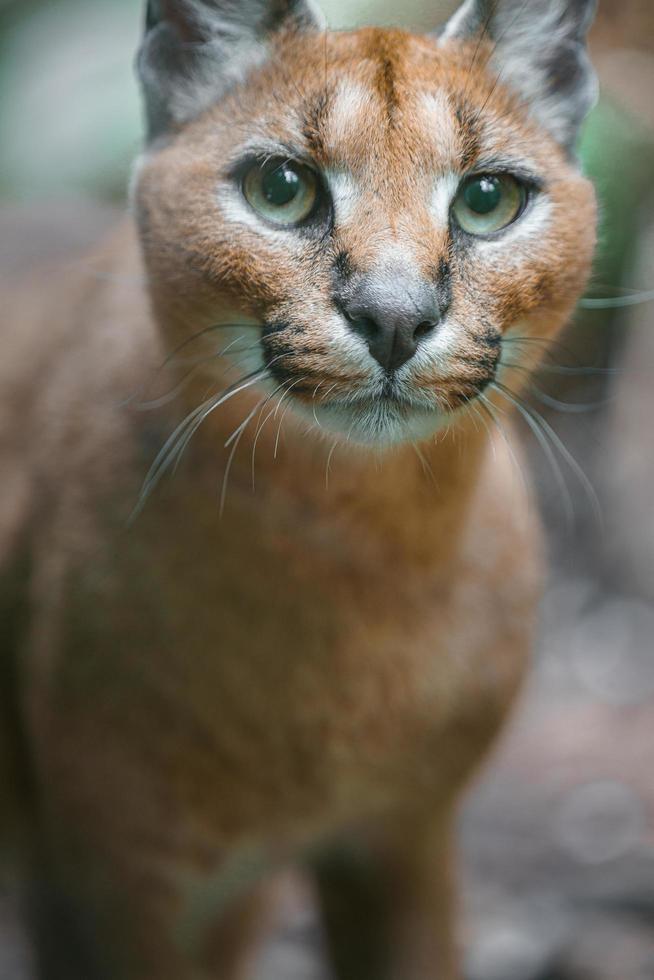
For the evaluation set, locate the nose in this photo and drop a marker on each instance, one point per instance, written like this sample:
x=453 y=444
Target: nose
x=393 y=316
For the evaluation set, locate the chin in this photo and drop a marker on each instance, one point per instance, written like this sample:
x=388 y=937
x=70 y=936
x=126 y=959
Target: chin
x=379 y=423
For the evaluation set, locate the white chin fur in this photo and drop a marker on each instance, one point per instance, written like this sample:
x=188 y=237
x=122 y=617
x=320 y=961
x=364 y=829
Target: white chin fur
x=379 y=424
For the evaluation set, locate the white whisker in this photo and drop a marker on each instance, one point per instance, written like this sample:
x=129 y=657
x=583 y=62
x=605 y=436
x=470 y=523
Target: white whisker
x=279 y=428
x=329 y=463
x=543 y=425
x=488 y=406
x=176 y=443
x=547 y=450
x=261 y=425
x=236 y=437
x=426 y=466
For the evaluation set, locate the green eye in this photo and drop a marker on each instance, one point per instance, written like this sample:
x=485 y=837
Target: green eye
x=281 y=191
x=488 y=203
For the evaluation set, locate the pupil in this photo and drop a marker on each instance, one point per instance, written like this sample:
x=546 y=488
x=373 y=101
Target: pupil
x=280 y=186
x=483 y=195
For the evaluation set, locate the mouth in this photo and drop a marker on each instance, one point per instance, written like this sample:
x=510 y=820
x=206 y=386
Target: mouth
x=384 y=412
x=378 y=408
x=379 y=419
x=385 y=401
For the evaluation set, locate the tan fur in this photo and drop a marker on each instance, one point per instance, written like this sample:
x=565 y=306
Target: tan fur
x=314 y=676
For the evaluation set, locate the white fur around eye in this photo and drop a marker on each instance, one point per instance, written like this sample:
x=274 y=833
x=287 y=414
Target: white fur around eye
x=445 y=190
x=345 y=194
x=527 y=232
x=236 y=211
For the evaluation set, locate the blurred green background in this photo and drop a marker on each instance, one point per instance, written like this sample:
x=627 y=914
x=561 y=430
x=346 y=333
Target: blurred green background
x=69 y=108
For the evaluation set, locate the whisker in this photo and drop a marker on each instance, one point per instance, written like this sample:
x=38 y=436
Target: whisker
x=172 y=356
x=575 y=369
x=546 y=342
x=235 y=437
x=477 y=412
x=203 y=333
x=488 y=406
x=547 y=450
x=564 y=369
x=177 y=442
x=576 y=468
x=179 y=387
x=328 y=467
x=507 y=30
x=243 y=424
x=281 y=421
x=492 y=90
x=185 y=440
x=426 y=466
x=261 y=425
x=161 y=460
x=570 y=408
x=616 y=302
x=483 y=34
x=313 y=403
x=328 y=392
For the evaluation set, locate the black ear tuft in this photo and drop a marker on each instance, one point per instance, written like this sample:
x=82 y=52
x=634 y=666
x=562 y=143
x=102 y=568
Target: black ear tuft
x=153 y=15
x=195 y=50
x=539 y=51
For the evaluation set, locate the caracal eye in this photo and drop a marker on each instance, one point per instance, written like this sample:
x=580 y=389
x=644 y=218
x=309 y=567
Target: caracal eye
x=487 y=203
x=281 y=191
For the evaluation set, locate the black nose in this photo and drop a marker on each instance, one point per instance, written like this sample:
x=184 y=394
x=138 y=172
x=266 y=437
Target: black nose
x=392 y=316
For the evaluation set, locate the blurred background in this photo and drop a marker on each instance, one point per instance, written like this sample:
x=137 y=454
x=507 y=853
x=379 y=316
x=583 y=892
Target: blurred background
x=557 y=834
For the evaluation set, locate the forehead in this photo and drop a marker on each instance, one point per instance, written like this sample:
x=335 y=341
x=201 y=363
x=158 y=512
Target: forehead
x=371 y=99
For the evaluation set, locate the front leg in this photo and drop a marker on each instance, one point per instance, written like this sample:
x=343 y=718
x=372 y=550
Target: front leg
x=118 y=919
x=388 y=905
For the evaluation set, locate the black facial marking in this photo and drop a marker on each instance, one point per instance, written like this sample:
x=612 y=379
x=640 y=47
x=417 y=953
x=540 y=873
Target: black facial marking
x=490 y=359
x=343 y=267
x=278 y=353
x=441 y=275
x=484 y=376
x=488 y=363
x=343 y=280
x=443 y=280
x=482 y=385
x=152 y=14
x=483 y=364
x=492 y=338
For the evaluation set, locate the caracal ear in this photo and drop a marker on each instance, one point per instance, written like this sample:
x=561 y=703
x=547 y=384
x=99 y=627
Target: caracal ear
x=195 y=50
x=539 y=50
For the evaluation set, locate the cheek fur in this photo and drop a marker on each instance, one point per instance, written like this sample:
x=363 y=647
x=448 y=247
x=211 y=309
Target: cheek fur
x=525 y=276
x=318 y=352
x=464 y=371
